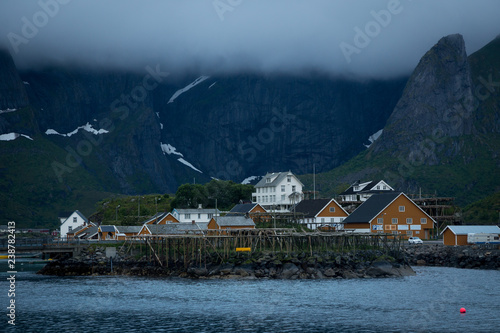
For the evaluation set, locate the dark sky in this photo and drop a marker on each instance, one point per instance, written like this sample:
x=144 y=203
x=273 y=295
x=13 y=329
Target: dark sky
x=367 y=38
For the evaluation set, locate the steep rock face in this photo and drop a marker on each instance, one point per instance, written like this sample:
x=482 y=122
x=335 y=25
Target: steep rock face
x=12 y=92
x=237 y=127
x=437 y=103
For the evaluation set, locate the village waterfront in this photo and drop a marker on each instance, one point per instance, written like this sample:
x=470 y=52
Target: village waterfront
x=426 y=302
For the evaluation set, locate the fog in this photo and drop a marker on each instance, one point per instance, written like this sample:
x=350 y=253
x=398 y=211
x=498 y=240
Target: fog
x=362 y=38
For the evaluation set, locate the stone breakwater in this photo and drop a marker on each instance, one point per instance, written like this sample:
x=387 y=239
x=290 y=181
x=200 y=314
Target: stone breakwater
x=476 y=257
x=361 y=264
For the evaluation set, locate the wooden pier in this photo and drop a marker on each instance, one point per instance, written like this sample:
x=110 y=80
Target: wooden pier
x=189 y=249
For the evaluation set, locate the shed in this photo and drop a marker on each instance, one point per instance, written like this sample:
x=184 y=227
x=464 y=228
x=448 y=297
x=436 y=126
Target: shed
x=457 y=234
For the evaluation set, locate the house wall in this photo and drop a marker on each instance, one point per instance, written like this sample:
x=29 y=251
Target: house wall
x=169 y=218
x=264 y=195
x=64 y=228
x=402 y=227
x=144 y=231
x=357 y=226
x=449 y=238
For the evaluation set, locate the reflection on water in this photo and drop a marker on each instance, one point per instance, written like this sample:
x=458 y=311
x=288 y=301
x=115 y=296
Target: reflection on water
x=427 y=302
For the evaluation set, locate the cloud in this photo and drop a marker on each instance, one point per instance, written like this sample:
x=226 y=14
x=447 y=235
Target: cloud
x=212 y=36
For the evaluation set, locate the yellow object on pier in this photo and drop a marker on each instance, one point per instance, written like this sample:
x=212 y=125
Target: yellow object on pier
x=243 y=249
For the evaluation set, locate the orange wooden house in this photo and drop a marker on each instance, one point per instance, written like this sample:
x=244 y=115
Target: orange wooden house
x=393 y=213
x=252 y=210
x=323 y=214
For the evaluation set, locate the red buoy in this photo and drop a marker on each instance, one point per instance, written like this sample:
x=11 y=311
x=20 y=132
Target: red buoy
x=462 y=310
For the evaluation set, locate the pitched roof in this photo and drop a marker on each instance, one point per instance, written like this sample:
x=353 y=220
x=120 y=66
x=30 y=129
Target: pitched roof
x=79 y=214
x=128 y=228
x=157 y=216
x=242 y=208
x=107 y=228
x=278 y=177
x=473 y=229
x=311 y=207
x=177 y=228
x=369 y=209
x=197 y=211
x=368 y=188
x=89 y=232
x=234 y=221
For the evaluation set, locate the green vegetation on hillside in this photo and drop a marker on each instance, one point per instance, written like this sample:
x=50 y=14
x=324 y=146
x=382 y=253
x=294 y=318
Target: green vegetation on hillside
x=227 y=194
x=130 y=210
x=485 y=211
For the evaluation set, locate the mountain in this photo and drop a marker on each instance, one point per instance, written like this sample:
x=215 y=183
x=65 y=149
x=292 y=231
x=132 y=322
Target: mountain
x=443 y=134
x=72 y=136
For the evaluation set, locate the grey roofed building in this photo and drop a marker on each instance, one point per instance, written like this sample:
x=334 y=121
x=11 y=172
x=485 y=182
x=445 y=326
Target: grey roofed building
x=108 y=228
x=275 y=179
x=472 y=229
x=362 y=191
x=157 y=217
x=369 y=209
x=242 y=209
x=178 y=228
x=128 y=228
x=89 y=233
x=311 y=207
x=234 y=221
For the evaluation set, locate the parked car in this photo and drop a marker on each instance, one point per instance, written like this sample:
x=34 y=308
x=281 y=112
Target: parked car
x=415 y=240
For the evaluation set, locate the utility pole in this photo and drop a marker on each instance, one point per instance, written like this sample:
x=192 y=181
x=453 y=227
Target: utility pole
x=314 y=181
x=116 y=213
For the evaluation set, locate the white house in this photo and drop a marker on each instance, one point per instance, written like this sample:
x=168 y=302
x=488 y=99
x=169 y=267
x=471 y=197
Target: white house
x=362 y=191
x=278 y=191
x=75 y=220
x=320 y=213
x=195 y=214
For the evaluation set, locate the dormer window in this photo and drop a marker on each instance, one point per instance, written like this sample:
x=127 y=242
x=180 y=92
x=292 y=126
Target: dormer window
x=268 y=180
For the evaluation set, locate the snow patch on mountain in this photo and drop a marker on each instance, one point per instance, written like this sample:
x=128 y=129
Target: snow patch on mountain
x=7 y=110
x=168 y=149
x=248 y=180
x=183 y=161
x=13 y=136
x=212 y=85
x=186 y=88
x=87 y=127
x=373 y=138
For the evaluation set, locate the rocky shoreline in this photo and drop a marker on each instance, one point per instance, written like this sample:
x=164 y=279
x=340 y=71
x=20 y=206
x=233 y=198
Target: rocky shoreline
x=470 y=257
x=325 y=265
x=362 y=264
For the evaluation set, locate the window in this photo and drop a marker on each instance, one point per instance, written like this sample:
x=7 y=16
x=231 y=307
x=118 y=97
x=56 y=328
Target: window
x=199 y=216
x=394 y=232
x=293 y=188
x=283 y=197
x=70 y=228
x=417 y=232
x=288 y=178
x=385 y=187
x=268 y=180
x=210 y=216
x=409 y=233
x=401 y=208
x=409 y=220
x=378 y=187
x=187 y=216
x=332 y=209
x=74 y=219
x=258 y=198
x=282 y=188
x=394 y=220
x=380 y=220
x=423 y=220
x=322 y=220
